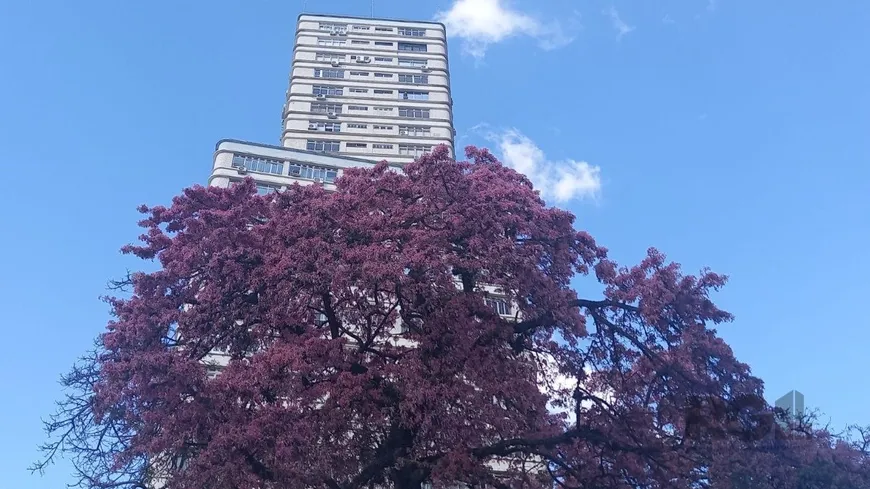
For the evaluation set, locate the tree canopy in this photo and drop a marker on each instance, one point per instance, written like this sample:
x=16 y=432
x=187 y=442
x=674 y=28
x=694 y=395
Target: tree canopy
x=439 y=324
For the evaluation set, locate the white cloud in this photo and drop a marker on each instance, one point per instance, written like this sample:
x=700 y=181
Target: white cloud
x=561 y=181
x=667 y=19
x=621 y=27
x=480 y=23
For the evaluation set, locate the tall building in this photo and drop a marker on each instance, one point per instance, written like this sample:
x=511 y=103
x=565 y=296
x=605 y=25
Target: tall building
x=369 y=88
x=792 y=403
x=362 y=90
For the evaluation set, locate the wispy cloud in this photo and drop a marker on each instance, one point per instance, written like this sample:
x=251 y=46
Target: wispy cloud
x=667 y=19
x=621 y=27
x=480 y=23
x=560 y=180
x=712 y=4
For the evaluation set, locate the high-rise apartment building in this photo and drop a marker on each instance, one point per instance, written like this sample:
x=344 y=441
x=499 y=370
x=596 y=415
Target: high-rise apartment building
x=368 y=88
x=362 y=90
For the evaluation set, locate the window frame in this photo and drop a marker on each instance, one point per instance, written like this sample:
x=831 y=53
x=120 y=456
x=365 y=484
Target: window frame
x=403 y=45
x=257 y=164
x=335 y=126
x=326 y=105
x=327 y=90
x=323 y=143
x=411 y=113
x=411 y=31
x=404 y=94
x=404 y=78
x=320 y=72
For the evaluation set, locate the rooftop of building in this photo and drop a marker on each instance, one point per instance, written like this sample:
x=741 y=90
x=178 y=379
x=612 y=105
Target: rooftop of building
x=376 y=19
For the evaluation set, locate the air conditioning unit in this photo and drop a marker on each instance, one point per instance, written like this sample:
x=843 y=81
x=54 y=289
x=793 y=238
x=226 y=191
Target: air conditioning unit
x=425 y=69
x=242 y=170
x=332 y=115
x=335 y=63
x=342 y=33
x=321 y=96
x=318 y=180
x=295 y=170
x=333 y=33
x=312 y=127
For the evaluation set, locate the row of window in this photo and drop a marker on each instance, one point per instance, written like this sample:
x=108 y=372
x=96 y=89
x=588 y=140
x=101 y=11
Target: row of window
x=276 y=167
x=412 y=47
x=336 y=57
x=331 y=90
x=258 y=164
x=328 y=126
x=335 y=73
x=405 y=62
x=402 y=31
x=408 y=112
x=334 y=147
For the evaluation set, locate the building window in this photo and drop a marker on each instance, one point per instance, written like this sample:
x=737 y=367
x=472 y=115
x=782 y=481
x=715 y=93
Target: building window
x=384 y=29
x=264 y=189
x=328 y=57
x=412 y=46
x=328 y=26
x=360 y=27
x=324 y=126
x=357 y=107
x=382 y=128
x=413 y=112
x=356 y=145
x=383 y=109
x=331 y=42
x=383 y=92
x=328 y=73
x=383 y=43
x=415 y=130
x=381 y=59
x=359 y=90
x=319 y=108
x=327 y=90
x=359 y=73
x=415 y=63
x=383 y=75
x=357 y=41
x=500 y=306
x=258 y=164
x=412 y=32
x=325 y=146
x=357 y=126
x=412 y=95
x=416 y=79
x=382 y=146
x=413 y=149
x=311 y=172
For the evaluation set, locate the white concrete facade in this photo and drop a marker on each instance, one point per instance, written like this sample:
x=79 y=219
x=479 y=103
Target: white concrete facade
x=368 y=88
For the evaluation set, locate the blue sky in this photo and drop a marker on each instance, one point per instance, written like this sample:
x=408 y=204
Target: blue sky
x=730 y=134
